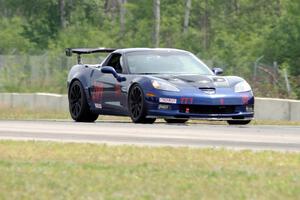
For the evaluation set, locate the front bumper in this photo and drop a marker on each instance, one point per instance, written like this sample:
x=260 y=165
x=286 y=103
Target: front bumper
x=218 y=108
x=177 y=113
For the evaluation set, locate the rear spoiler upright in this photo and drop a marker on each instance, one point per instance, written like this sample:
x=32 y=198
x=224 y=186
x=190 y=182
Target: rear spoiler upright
x=79 y=51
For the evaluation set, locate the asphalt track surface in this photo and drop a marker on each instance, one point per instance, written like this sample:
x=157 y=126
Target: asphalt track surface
x=282 y=138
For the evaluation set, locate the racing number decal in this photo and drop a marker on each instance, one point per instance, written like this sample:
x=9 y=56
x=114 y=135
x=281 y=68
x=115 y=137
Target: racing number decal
x=117 y=90
x=185 y=100
x=97 y=92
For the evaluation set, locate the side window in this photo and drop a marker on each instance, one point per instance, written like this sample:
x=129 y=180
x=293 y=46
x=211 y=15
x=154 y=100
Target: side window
x=115 y=62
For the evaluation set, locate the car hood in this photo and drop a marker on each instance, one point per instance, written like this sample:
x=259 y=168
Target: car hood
x=200 y=81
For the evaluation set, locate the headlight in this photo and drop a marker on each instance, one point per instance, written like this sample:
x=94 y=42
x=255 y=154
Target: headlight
x=161 y=85
x=242 y=87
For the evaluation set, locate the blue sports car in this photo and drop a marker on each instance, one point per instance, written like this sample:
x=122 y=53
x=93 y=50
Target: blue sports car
x=146 y=84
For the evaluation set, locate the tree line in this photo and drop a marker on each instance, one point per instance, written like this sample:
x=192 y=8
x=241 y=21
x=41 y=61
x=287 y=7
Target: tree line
x=231 y=34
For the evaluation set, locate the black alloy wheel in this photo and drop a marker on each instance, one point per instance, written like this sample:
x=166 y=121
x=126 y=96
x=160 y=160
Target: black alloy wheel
x=238 y=122
x=137 y=106
x=78 y=106
x=176 y=121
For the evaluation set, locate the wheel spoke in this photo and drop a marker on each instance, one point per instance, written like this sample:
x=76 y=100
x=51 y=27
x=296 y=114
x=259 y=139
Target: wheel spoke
x=77 y=109
x=74 y=91
x=72 y=100
x=73 y=108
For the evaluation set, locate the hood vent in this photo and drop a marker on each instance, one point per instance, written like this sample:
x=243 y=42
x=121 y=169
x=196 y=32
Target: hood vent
x=208 y=90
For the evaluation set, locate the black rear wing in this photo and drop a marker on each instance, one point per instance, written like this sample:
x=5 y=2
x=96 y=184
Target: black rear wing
x=79 y=51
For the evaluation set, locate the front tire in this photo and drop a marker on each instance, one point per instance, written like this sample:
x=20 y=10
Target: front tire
x=78 y=106
x=238 y=122
x=137 y=106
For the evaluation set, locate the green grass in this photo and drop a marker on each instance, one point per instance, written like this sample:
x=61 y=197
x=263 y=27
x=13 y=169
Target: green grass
x=26 y=114
x=45 y=170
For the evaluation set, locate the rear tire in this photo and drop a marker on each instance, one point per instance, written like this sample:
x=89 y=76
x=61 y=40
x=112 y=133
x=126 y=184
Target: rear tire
x=238 y=122
x=137 y=106
x=78 y=106
x=176 y=121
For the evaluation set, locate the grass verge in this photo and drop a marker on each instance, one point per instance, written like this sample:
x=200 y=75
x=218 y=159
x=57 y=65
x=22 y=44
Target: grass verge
x=26 y=114
x=46 y=170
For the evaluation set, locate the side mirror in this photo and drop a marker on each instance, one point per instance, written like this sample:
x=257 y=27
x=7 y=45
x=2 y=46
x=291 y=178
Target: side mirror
x=217 y=71
x=111 y=70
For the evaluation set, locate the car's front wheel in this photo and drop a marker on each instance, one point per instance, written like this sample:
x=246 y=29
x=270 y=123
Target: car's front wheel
x=78 y=106
x=137 y=106
x=238 y=122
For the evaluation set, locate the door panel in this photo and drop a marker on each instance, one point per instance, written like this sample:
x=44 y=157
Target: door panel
x=108 y=95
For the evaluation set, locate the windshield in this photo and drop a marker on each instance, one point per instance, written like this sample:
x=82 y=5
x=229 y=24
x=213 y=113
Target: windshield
x=165 y=62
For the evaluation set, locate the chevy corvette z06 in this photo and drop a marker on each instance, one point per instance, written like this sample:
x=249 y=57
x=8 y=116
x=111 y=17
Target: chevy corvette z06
x=147 y=83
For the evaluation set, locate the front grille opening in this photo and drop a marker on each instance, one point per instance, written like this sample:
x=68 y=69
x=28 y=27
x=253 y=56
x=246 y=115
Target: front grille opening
x=208 y=90
x=205 y=109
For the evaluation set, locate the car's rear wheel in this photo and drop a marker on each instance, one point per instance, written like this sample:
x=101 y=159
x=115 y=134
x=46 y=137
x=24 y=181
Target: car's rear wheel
x=78 y=106
x=176 y=121
x=238 y=122
x=137 y=106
